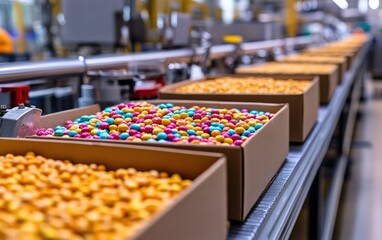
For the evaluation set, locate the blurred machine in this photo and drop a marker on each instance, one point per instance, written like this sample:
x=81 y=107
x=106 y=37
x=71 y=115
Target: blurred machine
x=19 y=121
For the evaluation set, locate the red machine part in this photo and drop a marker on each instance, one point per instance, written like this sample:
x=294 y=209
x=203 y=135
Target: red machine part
x=19 y=93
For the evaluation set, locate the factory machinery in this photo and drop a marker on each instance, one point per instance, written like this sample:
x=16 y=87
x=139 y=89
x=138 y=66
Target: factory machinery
x=107 y=79
x=275 y=215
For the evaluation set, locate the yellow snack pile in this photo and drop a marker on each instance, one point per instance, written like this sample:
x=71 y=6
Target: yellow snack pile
x=42 y=198
x=289 y=68
x=246 y=85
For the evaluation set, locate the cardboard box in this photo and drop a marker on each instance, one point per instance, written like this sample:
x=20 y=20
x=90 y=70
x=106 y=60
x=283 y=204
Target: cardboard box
x=349 y=56
x=327 y=82
x=199 y=212
x=303 y=108
x=341 y=62
x=251 y=166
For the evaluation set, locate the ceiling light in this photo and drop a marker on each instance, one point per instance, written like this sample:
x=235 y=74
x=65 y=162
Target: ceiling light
x=343 y=4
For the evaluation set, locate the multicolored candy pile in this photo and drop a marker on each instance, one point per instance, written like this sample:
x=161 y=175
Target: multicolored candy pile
x=144 y=121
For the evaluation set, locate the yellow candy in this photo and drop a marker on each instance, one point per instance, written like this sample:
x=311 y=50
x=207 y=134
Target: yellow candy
x=146 y=136
x=183 y=133
x=122 y=127
x=157 y=130
x=113 y=127
x=228 y=140
x=148 y=122
x=215 y=120
x=239 y=130
x=183 y=115
x=118 y=121
x=199 y=133
x=166 y=121
x=215 y=133
x=205 y=135
x=219 y=138
x=176 y=116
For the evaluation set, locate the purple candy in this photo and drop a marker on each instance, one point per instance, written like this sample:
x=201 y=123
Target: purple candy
x=168 y=130
x=235 y=137
x=132 y=132
x=140 y=120
x=170 y=136
x=41 y=132
x=148 y=129
x=207 y=122
x=198 y=116
x=121 y=105
x=182 y=128
x=228 y=116
x=104 y=125
x=238 y=142
x=149 y=116
x=83 y=130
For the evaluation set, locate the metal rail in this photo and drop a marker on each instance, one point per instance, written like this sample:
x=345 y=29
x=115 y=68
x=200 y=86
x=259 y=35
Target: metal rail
x=31 y=70
x=52 y=68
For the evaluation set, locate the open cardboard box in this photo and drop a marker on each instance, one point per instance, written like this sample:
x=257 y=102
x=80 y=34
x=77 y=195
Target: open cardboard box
x=303 y=107
x=327 y=82
x=251 y=166
x=348 y=55
x=341 y=63
x=199 y=212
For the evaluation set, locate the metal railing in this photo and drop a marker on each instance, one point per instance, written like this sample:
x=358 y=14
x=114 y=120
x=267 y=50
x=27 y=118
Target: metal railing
x=76 y=66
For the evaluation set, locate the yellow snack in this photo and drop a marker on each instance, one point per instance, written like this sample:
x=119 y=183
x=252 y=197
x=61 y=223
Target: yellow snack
x=42 y=198
x=298 y=68
x=246 y=85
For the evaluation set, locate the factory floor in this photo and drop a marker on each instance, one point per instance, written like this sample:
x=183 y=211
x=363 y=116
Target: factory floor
x=360 y=212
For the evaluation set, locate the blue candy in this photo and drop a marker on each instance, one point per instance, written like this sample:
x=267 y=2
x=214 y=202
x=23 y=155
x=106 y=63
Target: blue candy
x=110 y=121
x=104 y=135
x=59 y=132
x=135 y=126
x=191 y=132
x=71 y=133
x=258 y=125
x=162 y=136
x=124 y=136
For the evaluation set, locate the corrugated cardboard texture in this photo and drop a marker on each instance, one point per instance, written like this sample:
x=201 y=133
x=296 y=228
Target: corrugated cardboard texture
x=198 y=213
x=235 y=158
x=303 y=107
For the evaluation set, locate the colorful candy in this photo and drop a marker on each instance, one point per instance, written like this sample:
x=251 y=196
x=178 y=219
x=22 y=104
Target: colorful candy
x=42 y=198
x=246 y=85
x=143 y=121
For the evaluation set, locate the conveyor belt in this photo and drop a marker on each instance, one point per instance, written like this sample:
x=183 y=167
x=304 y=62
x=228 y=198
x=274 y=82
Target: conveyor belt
x=276 y=212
